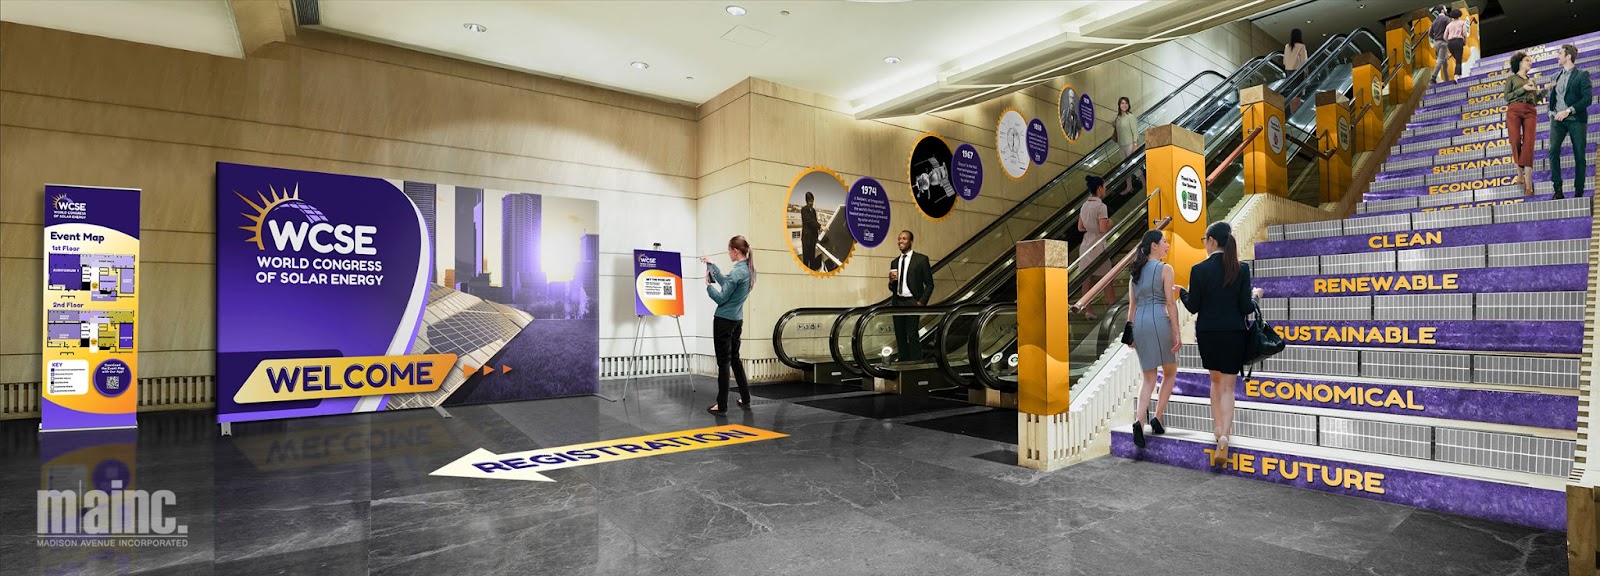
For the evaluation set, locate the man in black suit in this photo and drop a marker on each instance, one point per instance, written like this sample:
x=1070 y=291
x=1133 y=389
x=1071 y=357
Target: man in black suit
x=809 y=229
x=910 y=284
x=1570 y=96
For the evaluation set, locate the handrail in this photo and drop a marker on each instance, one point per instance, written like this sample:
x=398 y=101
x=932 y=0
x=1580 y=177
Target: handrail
x=975 y=354
x=1362 y=114
x=859 y=334
x=942 y=335
x=833 y=338
x=777 y=333
x=1314 y=150
x=1233 y=155
x=1083 y=302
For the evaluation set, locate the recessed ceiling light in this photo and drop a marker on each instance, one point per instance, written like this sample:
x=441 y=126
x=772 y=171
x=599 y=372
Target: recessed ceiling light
x=475 y=27
x=1308 y=21
x=892 y=60
x=783 y=13
x=640 y=65
x=736 y=10
x=1361 y=5
x=688 y=77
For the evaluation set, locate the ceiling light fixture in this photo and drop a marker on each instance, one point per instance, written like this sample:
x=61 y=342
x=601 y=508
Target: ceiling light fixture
x=783 y=13
x=688 y=77
x=640 y=65
x=1308 y=21
x=892 y=60
x=736 y=10
x=475 y=27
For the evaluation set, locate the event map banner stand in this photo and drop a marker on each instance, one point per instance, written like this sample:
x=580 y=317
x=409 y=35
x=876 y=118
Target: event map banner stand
x=657 y=291
x=91 y=308
x=341 y=294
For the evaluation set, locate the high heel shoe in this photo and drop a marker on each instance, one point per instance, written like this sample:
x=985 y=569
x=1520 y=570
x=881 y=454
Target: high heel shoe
x=1138 y=435
x=1156 y=428
x=1222 y=449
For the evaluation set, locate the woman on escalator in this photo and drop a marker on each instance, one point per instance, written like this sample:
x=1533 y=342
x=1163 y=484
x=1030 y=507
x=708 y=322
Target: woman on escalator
x=1153 y=317
x=1222 y=300
x=1126 y=132
x=729 y=292
x=1094 y=221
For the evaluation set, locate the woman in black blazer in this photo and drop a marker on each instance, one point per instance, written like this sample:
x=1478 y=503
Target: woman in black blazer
x=1222 y=299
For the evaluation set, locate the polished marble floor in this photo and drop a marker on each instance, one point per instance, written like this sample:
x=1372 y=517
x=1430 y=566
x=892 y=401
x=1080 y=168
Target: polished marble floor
x=892 y=491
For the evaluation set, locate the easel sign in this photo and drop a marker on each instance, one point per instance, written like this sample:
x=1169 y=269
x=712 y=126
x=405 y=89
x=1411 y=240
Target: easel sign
x=657 y=291
x=657 y=283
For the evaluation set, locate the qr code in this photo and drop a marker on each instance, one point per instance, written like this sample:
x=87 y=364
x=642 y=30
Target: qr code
x=113 y=382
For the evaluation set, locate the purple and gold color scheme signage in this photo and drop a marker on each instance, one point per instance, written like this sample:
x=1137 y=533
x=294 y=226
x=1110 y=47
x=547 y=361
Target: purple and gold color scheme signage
x=966 y=168
x=1560 y=229
x=1038 y=142
x=339 y=294
x=657 y=283
x=867 y=212
x=1533 y=336
x=1472 y=405
x=528 y=465
x=1560 y=278
x=91 y=308
x=1524 y=505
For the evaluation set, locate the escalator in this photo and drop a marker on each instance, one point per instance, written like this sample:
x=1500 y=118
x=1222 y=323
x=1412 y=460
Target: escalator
x=840 y=343
x=990 y=344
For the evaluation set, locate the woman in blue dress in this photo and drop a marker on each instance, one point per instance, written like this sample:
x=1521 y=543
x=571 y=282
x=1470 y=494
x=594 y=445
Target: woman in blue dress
x=1156 y=338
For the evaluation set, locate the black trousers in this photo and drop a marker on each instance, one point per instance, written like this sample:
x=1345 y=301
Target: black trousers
x=1458 y=49
x=907 y=343
x=725 y=335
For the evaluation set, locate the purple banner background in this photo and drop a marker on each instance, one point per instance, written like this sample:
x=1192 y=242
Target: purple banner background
x=1560 y=229
x=1523 y=505
x=257 y=321
x=966 y=168
x=1515 y=408
x=1038 y=141
x=1562 y=278
x=1472 y=204
x=867 y=214
x=1540 y=336
x=114 y=209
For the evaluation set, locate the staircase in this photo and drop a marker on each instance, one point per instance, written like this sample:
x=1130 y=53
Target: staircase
x=1434 y=339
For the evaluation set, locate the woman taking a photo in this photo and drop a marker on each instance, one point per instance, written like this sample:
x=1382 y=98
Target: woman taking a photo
x=1222 y=299
x=729 y=292
x=1154 y=316
x=1522 y=118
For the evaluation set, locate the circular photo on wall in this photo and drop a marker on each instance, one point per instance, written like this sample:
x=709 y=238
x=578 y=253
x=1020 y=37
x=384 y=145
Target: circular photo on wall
x=1011 y=144
x=1071 y=121
x=931 y=186
x=814 y=219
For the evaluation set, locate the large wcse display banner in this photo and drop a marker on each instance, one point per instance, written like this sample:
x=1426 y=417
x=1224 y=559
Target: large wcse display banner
x=339 y=294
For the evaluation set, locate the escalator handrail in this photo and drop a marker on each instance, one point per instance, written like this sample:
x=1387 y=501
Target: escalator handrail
x=942 y=334
x=859 y=334
x=833 y=340
x=777 y=333
x=975 y=353
x=1109 y=277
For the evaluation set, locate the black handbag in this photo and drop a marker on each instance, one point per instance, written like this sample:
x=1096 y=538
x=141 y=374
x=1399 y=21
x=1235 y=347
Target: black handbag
x=1127 y=333
x=1263 y=343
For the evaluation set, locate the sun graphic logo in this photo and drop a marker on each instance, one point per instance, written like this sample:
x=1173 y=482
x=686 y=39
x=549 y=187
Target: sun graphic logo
x=290 y=224
x=66 y=207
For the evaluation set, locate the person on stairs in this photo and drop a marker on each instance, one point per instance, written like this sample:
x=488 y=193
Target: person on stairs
x=1570 y=96
x=1455 y=38
x=1441 y=48
x=727 y=327
x=1153 y=312
x=1222 y=301
x=1522 y=118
